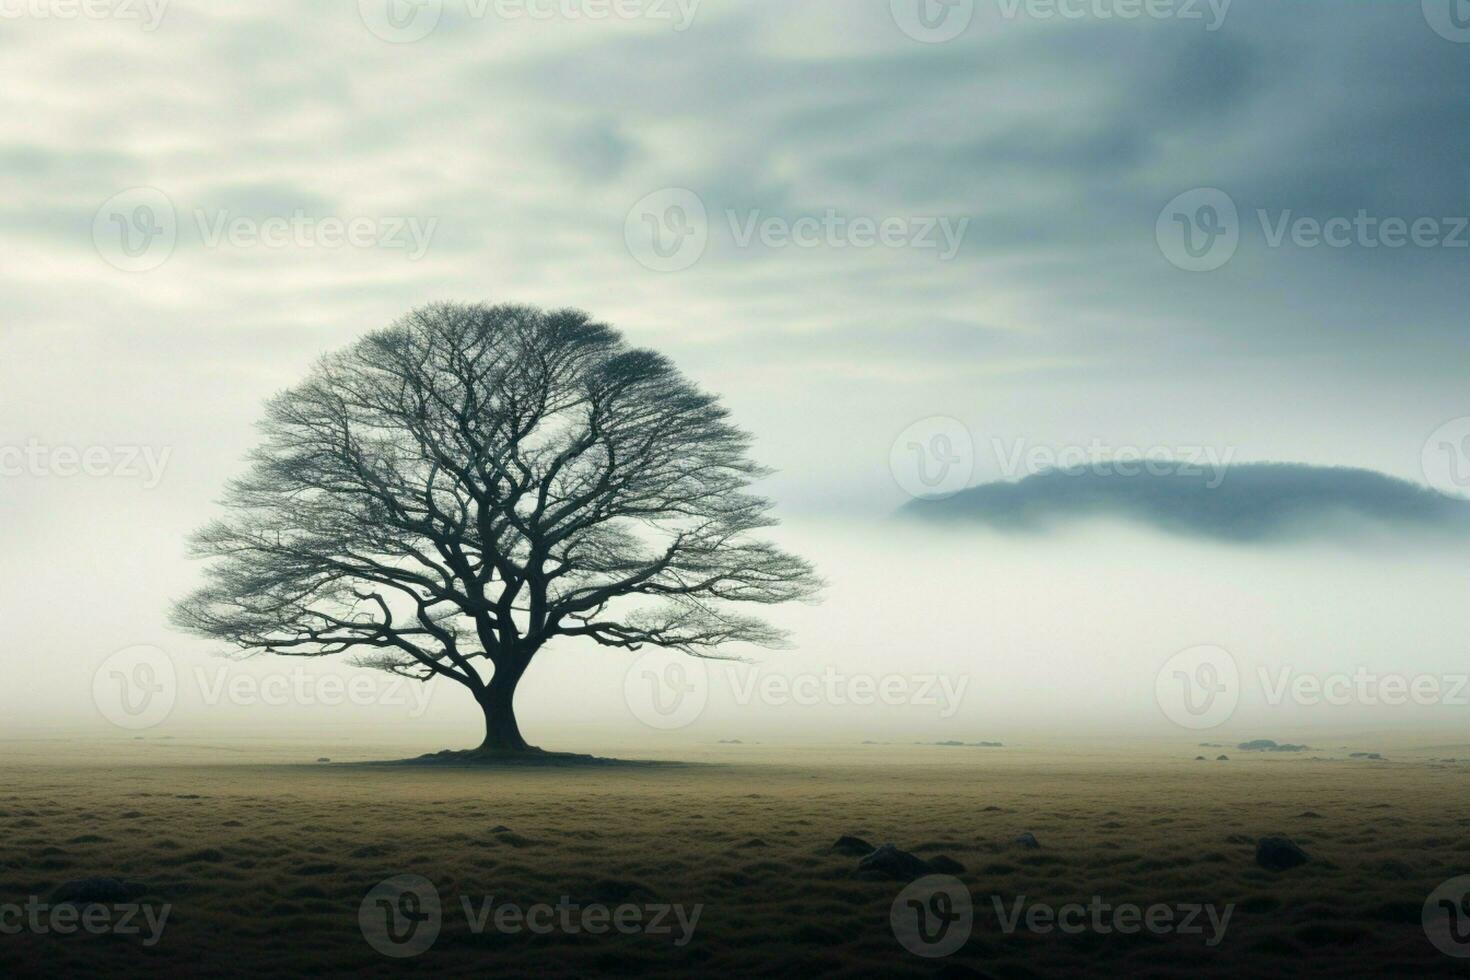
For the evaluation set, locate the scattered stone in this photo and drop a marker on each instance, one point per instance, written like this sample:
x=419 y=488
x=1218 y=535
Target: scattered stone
x=888 y=862
x=731 y=741
x=1365 y=755
x=1279 y=854
x=1310 y=815
x=1200 y=758
x=323 y=759
x=852 y=846
x=87 y=891
x=1267 y=745
x=1028 y=840
x=1222 y=758
x=944 y=864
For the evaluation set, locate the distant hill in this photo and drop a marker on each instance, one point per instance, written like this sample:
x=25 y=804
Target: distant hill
x=1248 y=502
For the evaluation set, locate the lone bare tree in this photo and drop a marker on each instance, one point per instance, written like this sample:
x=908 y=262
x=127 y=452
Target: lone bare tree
x=474 y=481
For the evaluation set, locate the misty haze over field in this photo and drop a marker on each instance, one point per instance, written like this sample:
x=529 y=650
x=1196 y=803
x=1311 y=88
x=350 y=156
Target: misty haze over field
x=992 y=635
x=512 y=156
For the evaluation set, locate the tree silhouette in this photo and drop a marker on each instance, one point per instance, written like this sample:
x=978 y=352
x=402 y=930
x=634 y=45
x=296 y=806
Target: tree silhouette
x=474 y=481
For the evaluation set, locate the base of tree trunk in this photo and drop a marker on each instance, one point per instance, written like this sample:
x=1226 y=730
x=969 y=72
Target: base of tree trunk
x=529 y=756
x=475 y=758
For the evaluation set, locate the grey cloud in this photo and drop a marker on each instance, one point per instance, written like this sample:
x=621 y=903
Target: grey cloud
x=1247 y=503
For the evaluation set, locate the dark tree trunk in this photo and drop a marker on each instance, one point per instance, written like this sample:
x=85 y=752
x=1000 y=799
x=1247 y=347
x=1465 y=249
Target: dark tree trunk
x=502 y=733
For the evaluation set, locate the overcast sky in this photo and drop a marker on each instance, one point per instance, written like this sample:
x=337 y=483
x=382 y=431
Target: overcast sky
x=977 y=216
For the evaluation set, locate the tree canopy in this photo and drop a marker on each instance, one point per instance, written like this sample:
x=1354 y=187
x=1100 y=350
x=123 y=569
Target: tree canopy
x=456 y=490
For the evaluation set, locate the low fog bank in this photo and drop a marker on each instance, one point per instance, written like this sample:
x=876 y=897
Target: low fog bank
x=926 y=634
x=1257 y=503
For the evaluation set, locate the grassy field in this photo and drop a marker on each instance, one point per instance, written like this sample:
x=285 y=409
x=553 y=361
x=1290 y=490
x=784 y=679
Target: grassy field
x=265 y=867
